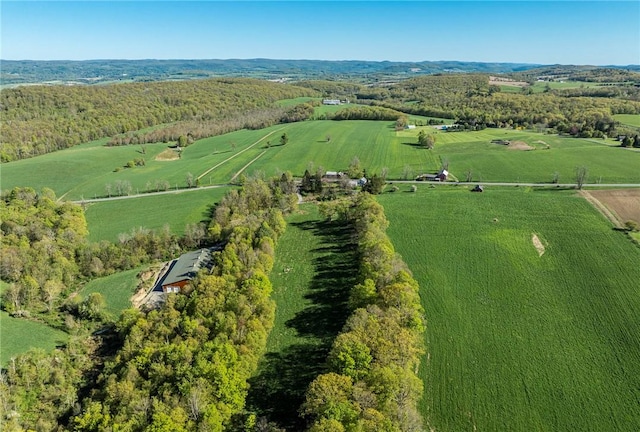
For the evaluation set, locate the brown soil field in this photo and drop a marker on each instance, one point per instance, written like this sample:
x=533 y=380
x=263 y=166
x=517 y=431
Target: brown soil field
x=168 y=155
x=623 y=203
x=506 y=81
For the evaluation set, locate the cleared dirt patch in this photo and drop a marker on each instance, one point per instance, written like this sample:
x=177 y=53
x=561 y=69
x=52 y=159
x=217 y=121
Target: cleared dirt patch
x=519 y=145
x=507 y=82
x=168 y=155
x=623 y=204
x=537 y=244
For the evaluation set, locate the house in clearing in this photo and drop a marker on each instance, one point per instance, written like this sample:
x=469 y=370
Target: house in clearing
x=332 y=175
x=182 y=270
x=442 y=175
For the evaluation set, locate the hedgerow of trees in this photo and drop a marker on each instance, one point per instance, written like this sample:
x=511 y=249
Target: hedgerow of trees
x=372 y=383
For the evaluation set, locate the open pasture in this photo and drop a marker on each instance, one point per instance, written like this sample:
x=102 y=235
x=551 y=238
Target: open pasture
x=18 y=335
x=516 y=340
x=87 y=171
x=474 y=151
x=628 y=119
x=107 y=219
x=83 y=172
x=116 y=289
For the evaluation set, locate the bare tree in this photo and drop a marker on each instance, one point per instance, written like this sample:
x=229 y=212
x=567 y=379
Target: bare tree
x=407 y=172
x=189 y=180
x=469 y=175
x=384 y=172
x=581 y=176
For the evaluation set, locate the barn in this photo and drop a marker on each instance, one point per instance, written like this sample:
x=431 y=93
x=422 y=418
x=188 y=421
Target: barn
x=442 y=175
x=182 y=270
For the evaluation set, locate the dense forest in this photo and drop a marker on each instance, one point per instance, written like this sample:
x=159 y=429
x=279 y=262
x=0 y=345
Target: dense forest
x=42 y=119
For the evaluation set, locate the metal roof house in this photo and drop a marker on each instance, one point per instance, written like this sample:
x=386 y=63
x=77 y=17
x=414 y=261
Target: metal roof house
x=182 y=270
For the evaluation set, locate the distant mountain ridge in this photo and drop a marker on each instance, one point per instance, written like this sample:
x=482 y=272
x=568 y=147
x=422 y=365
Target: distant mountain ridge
x=97 y=71
x=16 y=72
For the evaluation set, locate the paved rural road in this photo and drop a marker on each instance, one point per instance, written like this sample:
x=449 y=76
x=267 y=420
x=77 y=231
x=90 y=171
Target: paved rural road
x=547 y=185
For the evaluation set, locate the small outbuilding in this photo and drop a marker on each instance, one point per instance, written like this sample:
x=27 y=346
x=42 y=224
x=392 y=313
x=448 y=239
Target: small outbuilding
x=477 y=188
x=442 y=175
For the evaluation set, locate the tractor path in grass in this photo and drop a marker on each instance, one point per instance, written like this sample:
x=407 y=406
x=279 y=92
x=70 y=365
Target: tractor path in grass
x=237 y=154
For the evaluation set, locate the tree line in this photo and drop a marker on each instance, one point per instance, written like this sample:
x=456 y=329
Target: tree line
x=372 y=384
x=186 y=132
x=474 y=104
x=42 y=119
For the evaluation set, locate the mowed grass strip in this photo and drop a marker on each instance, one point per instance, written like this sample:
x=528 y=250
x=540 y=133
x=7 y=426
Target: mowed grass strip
x=107 y=219
x=518 y=341
x=312 y=276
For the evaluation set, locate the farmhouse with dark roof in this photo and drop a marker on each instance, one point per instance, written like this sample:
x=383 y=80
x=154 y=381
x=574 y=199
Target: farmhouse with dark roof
x=182 y=270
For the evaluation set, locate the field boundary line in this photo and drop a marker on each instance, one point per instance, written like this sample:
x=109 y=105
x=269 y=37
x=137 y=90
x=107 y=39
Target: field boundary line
x=237 y=154
x=608 y=214
x=246 y=166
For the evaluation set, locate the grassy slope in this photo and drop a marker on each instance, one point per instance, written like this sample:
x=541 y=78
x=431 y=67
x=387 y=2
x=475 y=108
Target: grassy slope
x=18 y=335
x=628 y=119
x=520 y=342
x=105 y=219
x=376 y=144
x=116 y=289
x=312 y=275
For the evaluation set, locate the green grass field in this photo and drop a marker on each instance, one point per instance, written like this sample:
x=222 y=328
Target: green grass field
x=311 y=277
x=18 y=335
x=628 y=119
x=105 y=219
x=540 y=86
x=116 y=289
x=518 y=341
x=83 y=172
x=376 y=144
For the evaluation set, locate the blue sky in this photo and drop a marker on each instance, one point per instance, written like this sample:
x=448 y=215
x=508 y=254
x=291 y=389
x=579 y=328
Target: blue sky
x=566 y=32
